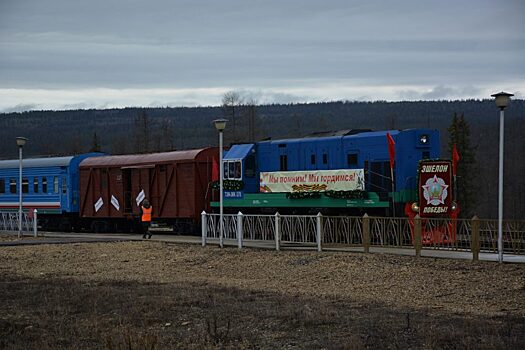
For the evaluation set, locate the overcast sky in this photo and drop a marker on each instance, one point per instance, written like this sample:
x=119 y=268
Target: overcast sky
x=63 y=54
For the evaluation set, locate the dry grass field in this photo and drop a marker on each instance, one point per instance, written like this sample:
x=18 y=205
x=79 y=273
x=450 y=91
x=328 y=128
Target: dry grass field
x=152 y=295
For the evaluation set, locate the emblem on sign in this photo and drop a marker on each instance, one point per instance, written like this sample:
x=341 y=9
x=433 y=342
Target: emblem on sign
x=435 y=191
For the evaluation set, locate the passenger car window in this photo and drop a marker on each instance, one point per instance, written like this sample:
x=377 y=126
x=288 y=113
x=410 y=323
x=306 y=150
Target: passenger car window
x=2 y=186
x=44 y=185
x=35 y=185
x=55 y=184
x=64 y=185
x=12 y=185
x=25 y=185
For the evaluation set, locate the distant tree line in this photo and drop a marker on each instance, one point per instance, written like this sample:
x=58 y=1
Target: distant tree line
x=138 y=130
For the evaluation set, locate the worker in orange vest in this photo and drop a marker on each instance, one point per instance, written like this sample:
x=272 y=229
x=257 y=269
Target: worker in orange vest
x=146 y=218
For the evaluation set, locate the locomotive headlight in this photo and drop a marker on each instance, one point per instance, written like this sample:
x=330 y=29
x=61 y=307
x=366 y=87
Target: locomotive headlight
x=415 y=207
x=454 y=206
x=423 y=139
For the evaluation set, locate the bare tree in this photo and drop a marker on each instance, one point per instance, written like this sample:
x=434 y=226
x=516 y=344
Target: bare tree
x=95 y=143
x=231 y=101
x=250 y=111
x=165 y=136
x=142 y=130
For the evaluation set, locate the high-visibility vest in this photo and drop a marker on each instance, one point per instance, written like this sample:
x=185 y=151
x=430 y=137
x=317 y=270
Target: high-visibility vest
x=146 y=214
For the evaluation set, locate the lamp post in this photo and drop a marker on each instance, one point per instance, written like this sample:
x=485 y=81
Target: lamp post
x=502 y=101
x=220 y=125
x=20 y=141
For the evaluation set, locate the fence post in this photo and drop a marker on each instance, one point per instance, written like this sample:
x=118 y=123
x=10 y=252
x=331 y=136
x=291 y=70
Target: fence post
x=35 y=222
x=475 y=238
x=319 y=231
x=366 y=233
x=417 y=235
x=204 y=228
x=277 y=233
x=239 y=230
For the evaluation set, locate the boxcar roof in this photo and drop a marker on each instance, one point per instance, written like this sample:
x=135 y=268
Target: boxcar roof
x=140 y=159
x=36 y=162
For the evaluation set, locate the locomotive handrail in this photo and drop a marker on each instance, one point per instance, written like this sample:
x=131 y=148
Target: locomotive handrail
x=379 y=174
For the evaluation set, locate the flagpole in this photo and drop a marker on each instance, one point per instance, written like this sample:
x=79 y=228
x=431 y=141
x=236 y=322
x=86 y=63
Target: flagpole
x=392 y=154
x=455 y=159
x=393 y=192
x=455 y=189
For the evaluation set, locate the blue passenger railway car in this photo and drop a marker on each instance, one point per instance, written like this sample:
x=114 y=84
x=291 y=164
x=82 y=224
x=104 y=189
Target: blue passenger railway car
x=342 y=172
x=49 y=185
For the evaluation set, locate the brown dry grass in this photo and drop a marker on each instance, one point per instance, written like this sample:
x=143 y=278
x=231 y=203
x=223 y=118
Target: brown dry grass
x=153 y=295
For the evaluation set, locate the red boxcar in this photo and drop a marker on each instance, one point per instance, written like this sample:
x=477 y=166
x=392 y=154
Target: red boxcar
x=177 y=184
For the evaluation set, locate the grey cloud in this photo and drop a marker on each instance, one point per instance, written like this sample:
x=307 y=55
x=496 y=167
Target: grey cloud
x=19 y=108
x=268 y=97
x=261 y=44
x=440 y=92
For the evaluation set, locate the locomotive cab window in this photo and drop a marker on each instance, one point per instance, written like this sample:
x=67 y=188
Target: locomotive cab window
x=249 y=166
x=2 y=186
x=237 y=170
x=12 y=185
x=225 y=169
x=233 y=170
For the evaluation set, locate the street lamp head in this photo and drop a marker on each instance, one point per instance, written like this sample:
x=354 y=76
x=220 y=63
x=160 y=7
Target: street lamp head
x=220 y=124
x=21 y=141
x=502 y=99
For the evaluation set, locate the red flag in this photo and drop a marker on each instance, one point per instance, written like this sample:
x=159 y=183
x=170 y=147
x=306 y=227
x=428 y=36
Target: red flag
x=215 y=170
x=391 y=149
x=455 y=159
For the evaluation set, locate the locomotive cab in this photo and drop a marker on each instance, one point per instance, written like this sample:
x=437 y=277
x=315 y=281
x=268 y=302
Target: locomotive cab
x=240 y=168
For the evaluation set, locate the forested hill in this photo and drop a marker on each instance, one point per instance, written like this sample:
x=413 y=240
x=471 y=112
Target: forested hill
x=129 y=130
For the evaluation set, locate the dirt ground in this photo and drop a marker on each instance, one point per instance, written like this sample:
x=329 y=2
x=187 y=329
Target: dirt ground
x=152 y=295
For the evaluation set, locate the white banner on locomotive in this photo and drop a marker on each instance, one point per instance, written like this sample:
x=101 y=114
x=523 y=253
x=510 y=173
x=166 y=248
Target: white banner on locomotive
x=312 y=181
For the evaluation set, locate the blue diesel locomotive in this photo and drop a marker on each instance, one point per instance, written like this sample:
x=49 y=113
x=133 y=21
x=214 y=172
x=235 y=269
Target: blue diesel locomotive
x=49 y=185
x=247 y=168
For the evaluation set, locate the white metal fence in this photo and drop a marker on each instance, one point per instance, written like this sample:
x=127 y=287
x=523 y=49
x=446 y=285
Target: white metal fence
x=9 y=222
x=473 y=235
